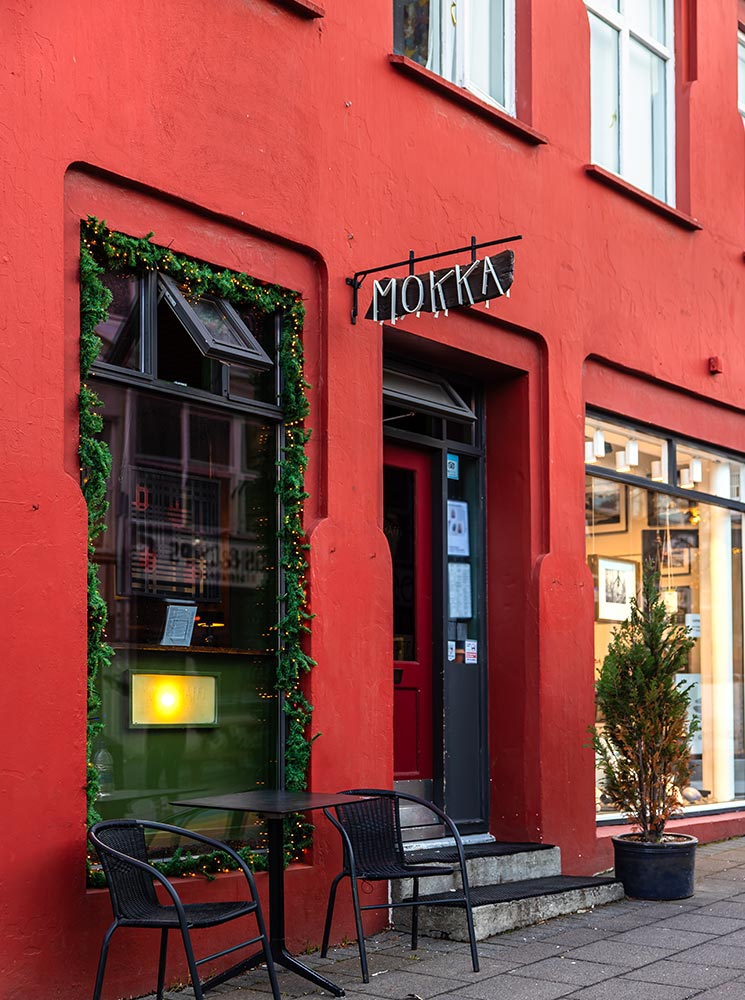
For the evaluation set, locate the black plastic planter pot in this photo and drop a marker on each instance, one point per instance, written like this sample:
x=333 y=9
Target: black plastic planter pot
x=656 y=871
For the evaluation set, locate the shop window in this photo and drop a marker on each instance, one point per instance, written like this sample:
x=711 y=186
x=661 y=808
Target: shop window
x=654 y=500
x=188 y=563
x=632 y=92
x=468 y=42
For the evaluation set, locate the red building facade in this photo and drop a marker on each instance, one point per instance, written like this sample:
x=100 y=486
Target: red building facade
x=300 y=143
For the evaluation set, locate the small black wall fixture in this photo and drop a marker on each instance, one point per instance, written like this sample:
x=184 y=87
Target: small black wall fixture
x=359 y=276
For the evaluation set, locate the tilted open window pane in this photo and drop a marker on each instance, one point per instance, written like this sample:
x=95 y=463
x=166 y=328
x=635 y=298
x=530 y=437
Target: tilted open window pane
x=215 y=326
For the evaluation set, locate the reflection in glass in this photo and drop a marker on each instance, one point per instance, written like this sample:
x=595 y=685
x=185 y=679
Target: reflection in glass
x=400 y=505
x=121 y=333
x=416 y=29
x=188 y=571
x=213 y=317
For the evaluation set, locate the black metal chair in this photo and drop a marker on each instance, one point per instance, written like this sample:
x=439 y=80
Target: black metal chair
x=374 y=852
x=131 y=879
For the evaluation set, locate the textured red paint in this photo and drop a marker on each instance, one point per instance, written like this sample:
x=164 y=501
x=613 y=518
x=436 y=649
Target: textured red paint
x=289 y=147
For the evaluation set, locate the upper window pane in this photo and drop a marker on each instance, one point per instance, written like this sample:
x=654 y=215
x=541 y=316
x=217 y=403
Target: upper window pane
x=632 y=90
x=604 y=83
x=624 y=450
x=121 y=334
x=486 y=48
x=468 y=42
x=645 y=153
x=699 y=470
x=741 y=72
x=647 y=17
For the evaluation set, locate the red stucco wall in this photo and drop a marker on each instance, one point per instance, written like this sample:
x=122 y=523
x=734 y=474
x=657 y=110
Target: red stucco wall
x=291 y=148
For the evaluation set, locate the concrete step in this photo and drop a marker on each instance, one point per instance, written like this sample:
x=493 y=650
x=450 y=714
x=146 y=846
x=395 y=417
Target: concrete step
x=487 y=864
x=509 y=905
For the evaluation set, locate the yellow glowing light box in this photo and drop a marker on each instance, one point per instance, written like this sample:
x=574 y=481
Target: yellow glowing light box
x=173 y=699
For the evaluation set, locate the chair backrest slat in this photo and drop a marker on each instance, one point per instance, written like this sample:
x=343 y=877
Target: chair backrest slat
x=374 y=832
x=132 y=889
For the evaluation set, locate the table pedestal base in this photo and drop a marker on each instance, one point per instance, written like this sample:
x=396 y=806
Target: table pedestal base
x=281 y=957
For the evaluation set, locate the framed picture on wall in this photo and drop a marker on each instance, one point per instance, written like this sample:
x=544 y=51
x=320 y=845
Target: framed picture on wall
x=616 y=582
x=664 y=510
x=670 y=550
x=605 y=507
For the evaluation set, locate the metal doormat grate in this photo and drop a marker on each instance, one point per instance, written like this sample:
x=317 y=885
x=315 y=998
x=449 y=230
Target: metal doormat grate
x=492 y=850
x=506 y=892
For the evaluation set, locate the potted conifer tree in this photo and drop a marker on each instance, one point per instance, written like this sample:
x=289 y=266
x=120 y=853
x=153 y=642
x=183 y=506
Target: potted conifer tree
x=642 y=740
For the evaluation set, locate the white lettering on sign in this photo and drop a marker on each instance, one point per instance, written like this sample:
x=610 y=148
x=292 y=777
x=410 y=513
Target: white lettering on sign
x=383 y=292
x=438 y=291
x=405 y=294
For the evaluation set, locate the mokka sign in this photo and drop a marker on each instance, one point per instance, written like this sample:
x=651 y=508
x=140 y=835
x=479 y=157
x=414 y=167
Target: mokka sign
x=438 y=291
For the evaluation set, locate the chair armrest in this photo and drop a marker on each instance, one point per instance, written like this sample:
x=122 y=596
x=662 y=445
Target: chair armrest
x=387 y=793
x=346 y=843
x=145 y=867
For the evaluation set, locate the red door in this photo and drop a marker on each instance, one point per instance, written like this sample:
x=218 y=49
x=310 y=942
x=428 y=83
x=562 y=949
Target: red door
x=407 y=489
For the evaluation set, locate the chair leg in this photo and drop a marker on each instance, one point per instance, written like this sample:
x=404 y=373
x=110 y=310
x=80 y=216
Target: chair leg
x=360 y=932
x=162 y=963
x=472 y=937
x=415 y=916
x=268 y=955
x=191 y=962
x=102 y=961
x=330 y=914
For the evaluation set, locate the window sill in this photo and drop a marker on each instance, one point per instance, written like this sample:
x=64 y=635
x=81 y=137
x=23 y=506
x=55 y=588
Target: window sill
x=623 y=187
x=467 y=100
x=305 y=8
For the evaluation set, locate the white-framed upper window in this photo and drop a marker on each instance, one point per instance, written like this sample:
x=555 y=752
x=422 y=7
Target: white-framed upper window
x=632 y=70
x=471 y=43
x=741 y=72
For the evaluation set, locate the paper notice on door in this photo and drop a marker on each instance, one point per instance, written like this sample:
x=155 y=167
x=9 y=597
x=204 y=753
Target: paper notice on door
x=459 y=590
x=458 y=528
x=451 y=651
x=472 y=651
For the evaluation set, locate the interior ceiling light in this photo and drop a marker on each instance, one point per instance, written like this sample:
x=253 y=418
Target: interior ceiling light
x=622 y=464
x=657 y=476
x=590 y=457
x=598 y=441
x=686 y=480
x=697 y=472
x=632 y=452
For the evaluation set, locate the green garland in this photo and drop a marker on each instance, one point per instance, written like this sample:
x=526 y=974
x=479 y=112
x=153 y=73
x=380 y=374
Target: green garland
x=102 y=250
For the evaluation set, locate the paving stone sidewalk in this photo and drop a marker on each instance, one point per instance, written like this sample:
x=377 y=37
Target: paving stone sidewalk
x=628 y=950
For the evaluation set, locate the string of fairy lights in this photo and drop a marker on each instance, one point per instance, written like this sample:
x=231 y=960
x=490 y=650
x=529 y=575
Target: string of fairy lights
x=101 y=250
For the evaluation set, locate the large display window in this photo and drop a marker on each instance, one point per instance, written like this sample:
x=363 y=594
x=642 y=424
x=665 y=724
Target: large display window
x=188 y=561
x=676 y=506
